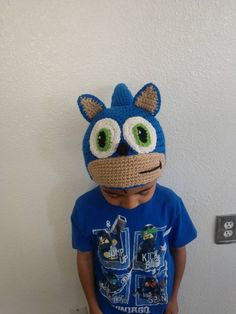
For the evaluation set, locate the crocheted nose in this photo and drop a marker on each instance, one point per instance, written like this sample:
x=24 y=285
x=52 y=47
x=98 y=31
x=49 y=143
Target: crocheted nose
x=123 y=149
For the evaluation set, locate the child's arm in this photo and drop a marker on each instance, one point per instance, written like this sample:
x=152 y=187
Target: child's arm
x=86 y=274
x=179 y=255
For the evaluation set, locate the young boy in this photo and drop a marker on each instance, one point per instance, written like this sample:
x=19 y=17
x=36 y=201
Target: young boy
x=129 y=231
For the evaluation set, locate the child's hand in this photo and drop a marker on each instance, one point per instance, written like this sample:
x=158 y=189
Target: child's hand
x=172 y=307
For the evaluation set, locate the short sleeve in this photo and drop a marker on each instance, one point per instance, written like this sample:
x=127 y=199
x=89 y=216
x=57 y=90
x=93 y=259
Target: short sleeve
x=81 y=240
x=183 y=231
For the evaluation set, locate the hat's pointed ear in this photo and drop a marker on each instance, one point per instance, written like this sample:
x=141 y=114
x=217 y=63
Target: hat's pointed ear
x=90 y=106
x=148 y=98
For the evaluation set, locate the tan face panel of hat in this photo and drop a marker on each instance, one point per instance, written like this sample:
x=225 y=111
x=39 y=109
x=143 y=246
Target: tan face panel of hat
x=127 y=171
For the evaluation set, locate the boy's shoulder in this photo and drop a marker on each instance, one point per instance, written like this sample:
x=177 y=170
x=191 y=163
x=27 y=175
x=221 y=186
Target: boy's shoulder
x=170 y=201
x=167 y=194
x=88 y=197
x=85 y=203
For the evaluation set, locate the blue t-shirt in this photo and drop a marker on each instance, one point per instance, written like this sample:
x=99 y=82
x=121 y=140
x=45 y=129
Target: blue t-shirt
x=134 y=269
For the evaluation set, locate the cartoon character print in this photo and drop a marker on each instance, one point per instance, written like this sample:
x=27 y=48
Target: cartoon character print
x=149 y=248
x=148 y=244
x=113 y=244
x=152 y=289
x=107 y=246
x=149 y=260
x=115 y=287
x=149 y=264
x=113 y=252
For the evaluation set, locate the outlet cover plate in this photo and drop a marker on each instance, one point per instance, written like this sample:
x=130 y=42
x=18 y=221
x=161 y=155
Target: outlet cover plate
x=225 y=229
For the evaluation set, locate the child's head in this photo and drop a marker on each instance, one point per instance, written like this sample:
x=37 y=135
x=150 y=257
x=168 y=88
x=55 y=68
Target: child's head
x=129 y=198
x=124 y=145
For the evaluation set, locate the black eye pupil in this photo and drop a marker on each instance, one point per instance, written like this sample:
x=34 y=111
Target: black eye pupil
x=102 y=139
x=142 y=134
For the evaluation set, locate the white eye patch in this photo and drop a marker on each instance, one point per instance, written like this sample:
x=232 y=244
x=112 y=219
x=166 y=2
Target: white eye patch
x=140 y=134
x=104 y=138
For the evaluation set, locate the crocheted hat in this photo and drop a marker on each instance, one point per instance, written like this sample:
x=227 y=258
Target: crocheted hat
x=124 y=145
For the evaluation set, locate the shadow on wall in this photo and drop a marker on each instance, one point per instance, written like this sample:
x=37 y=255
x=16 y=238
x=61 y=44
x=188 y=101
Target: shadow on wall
x=60 y=142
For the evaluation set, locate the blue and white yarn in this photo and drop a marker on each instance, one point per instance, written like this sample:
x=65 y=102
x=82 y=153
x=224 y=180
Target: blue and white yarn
x=126 y=130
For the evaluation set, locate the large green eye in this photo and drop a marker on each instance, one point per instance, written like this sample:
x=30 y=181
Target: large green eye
x=141 y=135
x=104 y=138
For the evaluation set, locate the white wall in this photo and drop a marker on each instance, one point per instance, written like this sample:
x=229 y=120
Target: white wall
x=51 y=52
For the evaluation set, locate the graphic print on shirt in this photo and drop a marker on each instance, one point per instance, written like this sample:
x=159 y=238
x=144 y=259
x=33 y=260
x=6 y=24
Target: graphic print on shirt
x=115 y=287
x=149 y=248
x=149 y=256
x=113 y=244
x=149 y=266
x=151 y=289
x=113 y=253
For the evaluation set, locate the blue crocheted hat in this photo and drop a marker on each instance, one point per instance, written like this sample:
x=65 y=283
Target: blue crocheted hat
x=124 y=145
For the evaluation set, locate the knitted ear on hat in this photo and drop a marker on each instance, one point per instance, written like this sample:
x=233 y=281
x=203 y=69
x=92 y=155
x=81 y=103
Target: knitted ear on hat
x=148 y=98
x=90 y=106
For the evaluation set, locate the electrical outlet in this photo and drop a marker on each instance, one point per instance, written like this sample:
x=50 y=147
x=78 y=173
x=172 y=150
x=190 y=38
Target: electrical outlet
x=225 y=229
x=79 y=310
